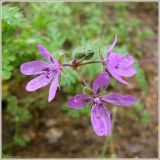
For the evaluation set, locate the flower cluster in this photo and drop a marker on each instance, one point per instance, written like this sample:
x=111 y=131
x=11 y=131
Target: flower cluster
x=115 y=65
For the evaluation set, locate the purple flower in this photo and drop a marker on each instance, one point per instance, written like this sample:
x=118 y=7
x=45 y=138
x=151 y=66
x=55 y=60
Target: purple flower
x=46 y=72
x=119 y=66
x=100 y=116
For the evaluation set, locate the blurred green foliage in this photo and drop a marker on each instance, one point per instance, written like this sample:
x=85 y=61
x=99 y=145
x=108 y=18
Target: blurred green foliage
x=138 y=114
x=141 y=78
x=62 y=28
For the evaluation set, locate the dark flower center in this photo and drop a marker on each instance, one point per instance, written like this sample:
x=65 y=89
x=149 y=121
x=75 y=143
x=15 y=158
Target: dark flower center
x=117 y=66
x=48 y=71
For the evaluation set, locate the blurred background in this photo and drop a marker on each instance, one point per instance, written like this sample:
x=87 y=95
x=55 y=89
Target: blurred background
x=32 y=127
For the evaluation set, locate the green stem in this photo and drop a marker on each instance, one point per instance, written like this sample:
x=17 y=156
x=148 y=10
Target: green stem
x=80 y=64
x=92 y=62
x=67 y=65
x=81 y=77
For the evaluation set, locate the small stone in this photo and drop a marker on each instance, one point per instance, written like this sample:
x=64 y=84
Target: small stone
x=50 y=122
x=53 y=135
x=32 y=134
x=134 y=148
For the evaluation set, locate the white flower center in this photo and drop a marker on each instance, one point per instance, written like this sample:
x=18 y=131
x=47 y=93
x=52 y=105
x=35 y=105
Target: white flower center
x=97 y=100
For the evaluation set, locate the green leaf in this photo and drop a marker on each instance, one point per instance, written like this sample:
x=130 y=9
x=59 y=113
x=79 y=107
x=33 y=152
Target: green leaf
x=140 y=76
x=138 y=106
x=61 y=58
x=145 y=118
x=6 y=74
x=12 y=17
x=70 y=78
x=7 y=67
x=11 y=58
x=88 y=91
x=21 y=140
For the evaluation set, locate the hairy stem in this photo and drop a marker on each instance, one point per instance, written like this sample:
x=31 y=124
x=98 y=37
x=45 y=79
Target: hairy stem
x=81 y=77
x=80 y=64
x=67 y=65
x=91 y=62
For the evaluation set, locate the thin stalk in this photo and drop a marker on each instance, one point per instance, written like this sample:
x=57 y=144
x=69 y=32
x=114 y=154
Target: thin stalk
x=82 y=64
x=67 y=65
x=81 y=77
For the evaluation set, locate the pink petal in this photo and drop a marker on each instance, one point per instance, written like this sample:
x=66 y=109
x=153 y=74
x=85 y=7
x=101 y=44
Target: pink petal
x=128 y=72
x=78 y=101
x=113 y=59
x=126 y=61
x=57 y=65
x=53 y=88
x=101 y=121
x=38 y=82
x=45 y=53
x=33 y=67
x=113 y=44
x=118 y=99
x=116 y=75
x=102 y=81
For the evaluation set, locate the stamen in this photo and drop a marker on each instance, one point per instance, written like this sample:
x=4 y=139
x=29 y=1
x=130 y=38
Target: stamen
x=48 y=71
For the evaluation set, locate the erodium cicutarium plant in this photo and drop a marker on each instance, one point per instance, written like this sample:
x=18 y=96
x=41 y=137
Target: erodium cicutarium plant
x=114 y=65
